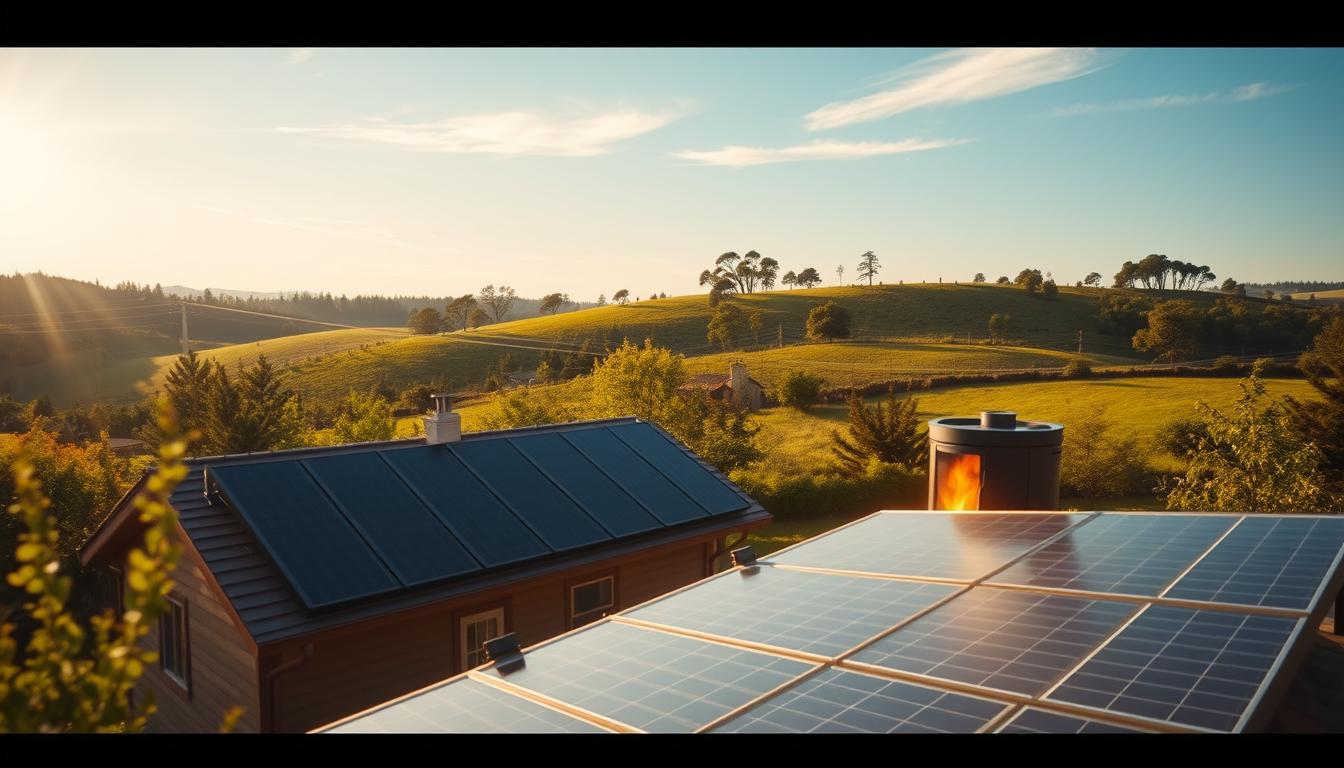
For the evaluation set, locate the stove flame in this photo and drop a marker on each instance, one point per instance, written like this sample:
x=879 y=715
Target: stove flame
x=958 y=481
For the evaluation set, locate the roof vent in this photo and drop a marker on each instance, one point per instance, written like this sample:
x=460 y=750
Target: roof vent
x=504 y=651
x=443 y=426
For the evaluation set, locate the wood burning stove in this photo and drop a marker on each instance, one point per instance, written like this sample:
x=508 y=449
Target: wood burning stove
x=994 y=462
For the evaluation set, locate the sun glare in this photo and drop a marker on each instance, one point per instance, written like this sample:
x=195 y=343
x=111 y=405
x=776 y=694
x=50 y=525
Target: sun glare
x=32 y=161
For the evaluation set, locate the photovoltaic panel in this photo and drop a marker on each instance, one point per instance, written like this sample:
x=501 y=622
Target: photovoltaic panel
x=839 y=701
x=479 y=520
x=651 y=680
x=707 y=489
x=1200 y=668
x=321 y=554
x=466 y=706
x=825 y=614
x=1271 y=561
x=1015 y=641
x=404 y=533
x=1125 y=554
x=600 y=495
x=635 y=476
x=535 y=500
x=1033 y=720
x=937 y=544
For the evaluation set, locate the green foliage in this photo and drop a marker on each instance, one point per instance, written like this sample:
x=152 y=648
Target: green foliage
x=1094 y=465
x=254 y=412
x=1092 y=279
x=799 y=495
x=621 y=297
x=1030 y=280
x=525 y=408
x=13 y=416
x=828 y=321
x=1172 y=332
x=416 y=399
x=70 y=679
x=425 y=320
x=1251 y=461
x=998 y=327
x=1049 y=291
x=979 y=277
x=869 y=266
x=790 y=279
x=730 y=325
x=1227 y=363
x=478 y=317
x=552 y=302
x=1322 y=421
x=499 y=302
x=739 y=274
x=364 y=418
x=808 y=277
x=889 y=432
x=798 y=389
x=1077 y=369
x=1181 y=437
x=641 y=381
x=458 y=311
x=1003 y=280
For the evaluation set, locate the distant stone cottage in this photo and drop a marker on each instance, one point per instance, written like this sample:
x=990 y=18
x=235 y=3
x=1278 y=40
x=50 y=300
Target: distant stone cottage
x=734 y=387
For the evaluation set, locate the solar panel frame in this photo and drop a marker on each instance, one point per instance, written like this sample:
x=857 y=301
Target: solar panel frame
x=1080 y=724
x=664 y=499
x=710 y=491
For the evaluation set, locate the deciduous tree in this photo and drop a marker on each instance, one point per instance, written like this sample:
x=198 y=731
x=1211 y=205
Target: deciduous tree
x=426 y=320
x=1172 y=332
x=808 y=277
x=499 y=302
x=458 y=310
x=828 y=321
x=887 y=432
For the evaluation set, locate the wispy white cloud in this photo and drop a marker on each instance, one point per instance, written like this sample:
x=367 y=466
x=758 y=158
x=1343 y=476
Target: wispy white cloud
x=503 y=133
x=1249 y=92
x=958 y=77
x=737 y=156
x=299 y=55
x=347 y=230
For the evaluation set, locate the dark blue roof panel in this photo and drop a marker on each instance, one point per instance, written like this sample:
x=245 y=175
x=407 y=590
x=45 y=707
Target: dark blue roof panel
x=615 y=509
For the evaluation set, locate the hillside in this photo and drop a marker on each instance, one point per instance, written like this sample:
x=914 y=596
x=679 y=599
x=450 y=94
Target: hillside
x=1335 y=295
x=914 y=322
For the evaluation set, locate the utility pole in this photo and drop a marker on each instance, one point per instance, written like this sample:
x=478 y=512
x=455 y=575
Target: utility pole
x=1080 y=341
x=183 y=305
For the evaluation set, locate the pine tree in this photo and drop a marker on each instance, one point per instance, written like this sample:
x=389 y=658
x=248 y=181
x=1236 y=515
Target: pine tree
x=888 y=433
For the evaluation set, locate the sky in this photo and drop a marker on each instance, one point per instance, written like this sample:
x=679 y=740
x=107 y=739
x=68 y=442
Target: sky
x=584 y=171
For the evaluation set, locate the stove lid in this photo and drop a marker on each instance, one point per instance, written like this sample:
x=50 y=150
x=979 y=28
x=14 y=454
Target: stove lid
x=995 y=429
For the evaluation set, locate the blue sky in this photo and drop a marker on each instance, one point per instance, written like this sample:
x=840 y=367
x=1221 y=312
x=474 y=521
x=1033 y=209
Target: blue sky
x=586 y=171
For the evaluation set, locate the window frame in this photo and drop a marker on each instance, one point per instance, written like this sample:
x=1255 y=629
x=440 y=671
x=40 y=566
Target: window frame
x=605 y=610
x=464 y=620
x=183 y=647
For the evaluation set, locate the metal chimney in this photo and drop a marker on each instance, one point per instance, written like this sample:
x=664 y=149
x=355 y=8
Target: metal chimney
x=443 y=426
x=994 y=462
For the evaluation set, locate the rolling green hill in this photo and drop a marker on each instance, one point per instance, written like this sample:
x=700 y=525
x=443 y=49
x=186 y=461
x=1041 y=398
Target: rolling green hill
x=1335 y=295
x=920 y=317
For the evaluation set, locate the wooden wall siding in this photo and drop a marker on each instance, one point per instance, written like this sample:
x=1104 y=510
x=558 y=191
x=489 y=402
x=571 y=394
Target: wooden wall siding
x=223 y=664
x=359 y=667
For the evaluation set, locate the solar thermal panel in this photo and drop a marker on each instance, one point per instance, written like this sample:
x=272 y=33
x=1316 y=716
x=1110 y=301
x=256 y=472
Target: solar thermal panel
x=322 y=556
x=398 y=526
x=821 y=613
x=651 y=680
x=1199 y=668
x=466 y=706
x=840 y=701
x=479 y=520
x=708 y=490
x=1010 y=640
x=534 y=499
x=599 y=494
x=1125 y=554
x=932 y=544
x=1267 y=561
x=635 y=476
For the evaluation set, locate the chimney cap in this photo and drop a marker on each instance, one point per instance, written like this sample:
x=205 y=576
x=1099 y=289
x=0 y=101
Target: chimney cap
x=443 y=402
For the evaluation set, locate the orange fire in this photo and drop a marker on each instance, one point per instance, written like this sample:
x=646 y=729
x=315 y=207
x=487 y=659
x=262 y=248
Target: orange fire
x=959 y=481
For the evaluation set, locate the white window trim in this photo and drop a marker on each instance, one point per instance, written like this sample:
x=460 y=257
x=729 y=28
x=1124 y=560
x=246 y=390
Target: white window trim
x=466 y=621
x=605 y=609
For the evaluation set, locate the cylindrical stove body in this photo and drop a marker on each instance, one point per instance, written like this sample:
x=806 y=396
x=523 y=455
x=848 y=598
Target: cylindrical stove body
x=994 y=462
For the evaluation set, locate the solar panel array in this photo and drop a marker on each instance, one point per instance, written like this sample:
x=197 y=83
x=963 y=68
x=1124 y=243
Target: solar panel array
x=988 y=622
x=360 y=524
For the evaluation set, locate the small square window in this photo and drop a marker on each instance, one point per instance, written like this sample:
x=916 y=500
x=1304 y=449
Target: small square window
x=173 y=643
x=591 y=600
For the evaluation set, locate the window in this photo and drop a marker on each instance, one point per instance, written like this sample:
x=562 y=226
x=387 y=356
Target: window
x=174 y=658
x=591 y=600
x=475 y=630
x=119 y=590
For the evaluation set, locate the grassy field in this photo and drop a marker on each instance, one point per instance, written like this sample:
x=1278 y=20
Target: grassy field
x=858 y=363
x=1335 y=295
x=917 y=316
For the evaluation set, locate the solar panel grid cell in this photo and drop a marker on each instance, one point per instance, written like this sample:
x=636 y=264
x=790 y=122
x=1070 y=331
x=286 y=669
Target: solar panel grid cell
x=635 y=476
x=1200 y=668
x=934 y=544
x=1033 y=720
x=1009 y=640
x=840 y=701
x=600 y=496
x=824 y=614
x=467 y=706
x=651 y=680
x=1266 y=561
x=1125 y=554
x=709 y=491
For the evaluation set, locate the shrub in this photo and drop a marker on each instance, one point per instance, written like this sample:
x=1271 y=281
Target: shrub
x=1182 y=436
x=792 y=496
x=1077 y=369
x=798 y=390
x=1227 y=363
x=828 y=321
x=1094 y=465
